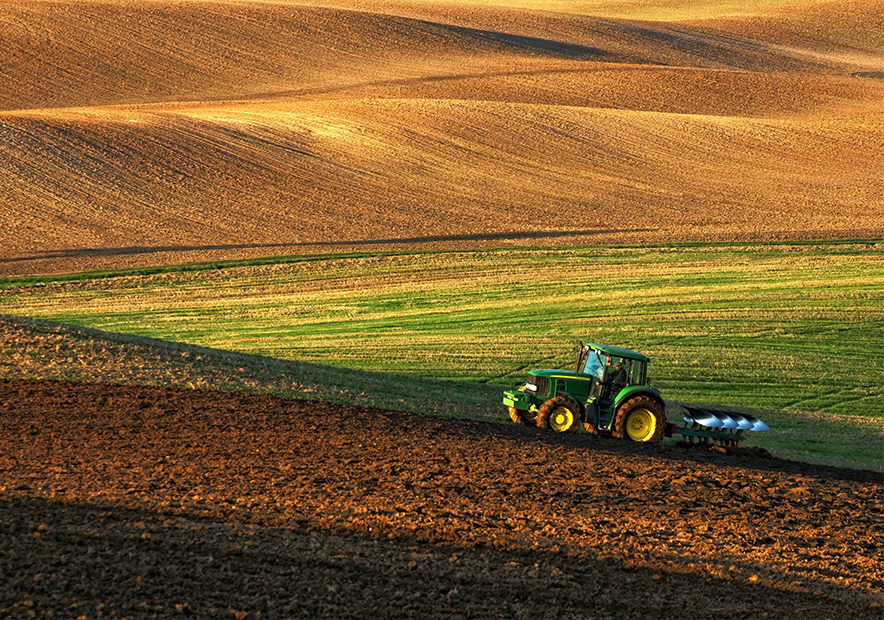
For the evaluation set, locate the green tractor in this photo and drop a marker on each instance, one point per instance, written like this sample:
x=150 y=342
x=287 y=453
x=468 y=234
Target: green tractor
x=609 y=393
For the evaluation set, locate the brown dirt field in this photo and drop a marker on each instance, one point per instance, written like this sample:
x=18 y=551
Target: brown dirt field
x=849 y=29
x=159 y=132
x=150 y=502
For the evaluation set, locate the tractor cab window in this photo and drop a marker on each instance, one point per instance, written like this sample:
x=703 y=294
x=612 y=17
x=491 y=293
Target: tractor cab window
x=637 y=373
x=595 y=365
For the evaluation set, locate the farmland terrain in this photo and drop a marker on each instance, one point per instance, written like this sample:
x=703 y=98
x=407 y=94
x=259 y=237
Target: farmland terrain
x=151 y=502
x=154 y=132
x=454 y=192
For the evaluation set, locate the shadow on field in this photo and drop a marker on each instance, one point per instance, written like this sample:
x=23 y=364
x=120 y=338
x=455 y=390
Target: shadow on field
x=535 y=45
x=136 y=250
x=122 y=559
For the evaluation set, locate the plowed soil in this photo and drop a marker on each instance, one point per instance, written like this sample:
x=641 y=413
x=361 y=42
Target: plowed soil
x=160 y=132
x=138 y=502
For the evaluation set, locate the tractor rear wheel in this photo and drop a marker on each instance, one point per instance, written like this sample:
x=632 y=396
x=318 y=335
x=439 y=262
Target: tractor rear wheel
x=640 y=419
x=560 y=414
x=521 y=417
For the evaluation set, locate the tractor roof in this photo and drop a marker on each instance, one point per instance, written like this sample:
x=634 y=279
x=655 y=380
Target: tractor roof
x=619 y=352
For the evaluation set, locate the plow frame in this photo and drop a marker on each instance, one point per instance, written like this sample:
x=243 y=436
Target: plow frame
x=712 y=424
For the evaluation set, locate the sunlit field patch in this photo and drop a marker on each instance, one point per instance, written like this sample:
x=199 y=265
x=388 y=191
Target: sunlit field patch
x=227 y=130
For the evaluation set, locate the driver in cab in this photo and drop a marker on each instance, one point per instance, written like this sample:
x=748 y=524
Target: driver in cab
x=617 y=378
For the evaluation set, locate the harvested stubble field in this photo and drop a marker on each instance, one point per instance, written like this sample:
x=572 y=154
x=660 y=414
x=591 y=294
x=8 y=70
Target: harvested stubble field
x=138 y=133
x=155 y=502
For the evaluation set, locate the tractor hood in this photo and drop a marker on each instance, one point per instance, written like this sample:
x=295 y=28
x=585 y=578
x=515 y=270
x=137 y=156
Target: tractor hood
x=547 y=372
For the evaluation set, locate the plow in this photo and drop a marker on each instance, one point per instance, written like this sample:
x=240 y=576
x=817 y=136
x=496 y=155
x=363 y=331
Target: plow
x=609 y=393
x=716 y=425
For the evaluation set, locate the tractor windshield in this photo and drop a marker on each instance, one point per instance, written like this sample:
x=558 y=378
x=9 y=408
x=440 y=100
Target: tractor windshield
x=595 y=365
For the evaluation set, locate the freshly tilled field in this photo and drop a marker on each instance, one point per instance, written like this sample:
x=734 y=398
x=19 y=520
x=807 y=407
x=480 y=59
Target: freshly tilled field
x=149 y=501
x=141 y=133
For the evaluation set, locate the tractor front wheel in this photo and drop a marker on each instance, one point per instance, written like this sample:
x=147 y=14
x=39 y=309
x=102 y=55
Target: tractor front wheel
x=560 y=414
x=521 y=417
x=640 y=419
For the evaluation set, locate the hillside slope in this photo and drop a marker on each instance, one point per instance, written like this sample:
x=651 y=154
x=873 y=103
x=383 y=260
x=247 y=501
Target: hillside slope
x=156 y=132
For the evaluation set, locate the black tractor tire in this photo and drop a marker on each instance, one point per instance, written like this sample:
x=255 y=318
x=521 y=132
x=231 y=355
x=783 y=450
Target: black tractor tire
x=521 y=417
x=639 y=419
x=560 y=414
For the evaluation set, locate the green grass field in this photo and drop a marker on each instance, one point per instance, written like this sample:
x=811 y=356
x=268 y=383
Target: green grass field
x=772 y=328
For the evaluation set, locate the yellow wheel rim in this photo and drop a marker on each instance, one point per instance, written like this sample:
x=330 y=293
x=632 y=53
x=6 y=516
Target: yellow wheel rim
x=640 y=425
x=561 y=419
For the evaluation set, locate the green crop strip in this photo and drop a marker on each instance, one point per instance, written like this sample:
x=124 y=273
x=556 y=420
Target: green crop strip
x=770 y=327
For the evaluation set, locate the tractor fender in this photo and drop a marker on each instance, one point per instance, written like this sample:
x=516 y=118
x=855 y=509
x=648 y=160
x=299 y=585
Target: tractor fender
x=630 y=392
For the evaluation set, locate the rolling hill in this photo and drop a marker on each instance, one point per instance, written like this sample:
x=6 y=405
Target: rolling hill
x=157 y=132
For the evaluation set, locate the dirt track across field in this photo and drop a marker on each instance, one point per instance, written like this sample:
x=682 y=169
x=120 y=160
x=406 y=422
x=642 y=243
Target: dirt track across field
x=138 y=502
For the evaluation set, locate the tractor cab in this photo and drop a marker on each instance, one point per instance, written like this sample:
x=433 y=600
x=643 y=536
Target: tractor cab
x=611 y=368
